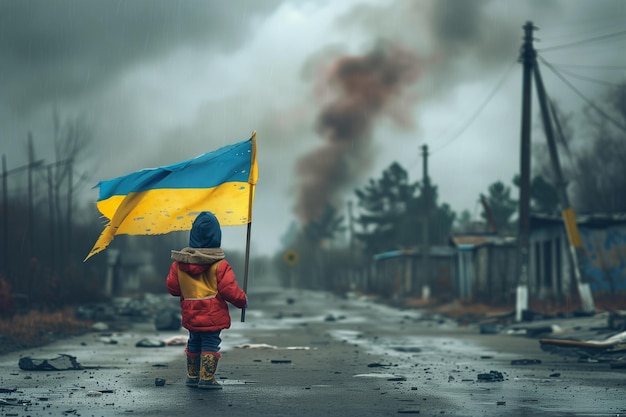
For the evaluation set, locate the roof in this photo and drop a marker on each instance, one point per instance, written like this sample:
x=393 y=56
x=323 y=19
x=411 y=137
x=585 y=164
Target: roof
x=465 y=242
x=434 y=251
x=599 y=220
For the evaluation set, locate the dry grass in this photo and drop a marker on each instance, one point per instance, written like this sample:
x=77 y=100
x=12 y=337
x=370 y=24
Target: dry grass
x=475 y=311
x=37 y=328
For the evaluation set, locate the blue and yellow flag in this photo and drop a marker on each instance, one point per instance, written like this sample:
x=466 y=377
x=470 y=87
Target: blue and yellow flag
x=166 y=199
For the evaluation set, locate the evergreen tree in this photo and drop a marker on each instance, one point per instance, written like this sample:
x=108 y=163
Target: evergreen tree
x=393 y=211
x=544 y=197
x=326 y=227
x=501 y=205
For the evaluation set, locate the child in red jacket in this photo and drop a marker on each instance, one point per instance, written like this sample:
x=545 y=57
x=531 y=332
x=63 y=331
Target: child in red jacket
x=204 y=281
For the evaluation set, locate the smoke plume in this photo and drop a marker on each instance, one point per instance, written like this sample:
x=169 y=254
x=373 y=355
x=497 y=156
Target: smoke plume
x=364 y=88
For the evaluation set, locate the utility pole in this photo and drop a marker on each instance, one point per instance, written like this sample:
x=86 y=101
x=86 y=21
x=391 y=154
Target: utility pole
x=31 y=216
x=573 y=235
x=68 y=233
x=5 y=203
x=351 y=245
x=426 y=229
x=528 y=59
x=52 y=220
x=5 y=218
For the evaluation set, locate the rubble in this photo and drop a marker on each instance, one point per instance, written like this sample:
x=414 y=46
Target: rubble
x=62 y=362
x=150 y=343
x=492 y=376
x=163 y=308
x=608 y=350
x=525 y=361
x=170 y=319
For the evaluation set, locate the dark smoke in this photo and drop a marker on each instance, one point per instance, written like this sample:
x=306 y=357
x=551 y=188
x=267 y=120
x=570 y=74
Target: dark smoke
x=365 y=88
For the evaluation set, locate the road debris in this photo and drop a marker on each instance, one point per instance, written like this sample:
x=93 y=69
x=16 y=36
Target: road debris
x=62 y=362
x=13 y=402
x=176 y=340
x=492 y=376
x=280 y=361
x=525 y=361
x=611 y=349
x=150 y=343
x=269 y=347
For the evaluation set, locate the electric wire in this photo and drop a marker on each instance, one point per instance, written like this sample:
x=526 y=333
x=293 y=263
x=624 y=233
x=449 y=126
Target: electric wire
x=581 y=95
x=593 y=67
x=593 y=80
x=584 y=41
x=479 y=110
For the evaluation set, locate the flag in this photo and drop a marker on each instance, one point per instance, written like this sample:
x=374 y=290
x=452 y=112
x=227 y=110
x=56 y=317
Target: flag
x=166 y=199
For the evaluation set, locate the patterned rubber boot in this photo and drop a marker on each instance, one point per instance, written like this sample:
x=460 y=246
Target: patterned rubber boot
x=193 y=369
x=208 y=366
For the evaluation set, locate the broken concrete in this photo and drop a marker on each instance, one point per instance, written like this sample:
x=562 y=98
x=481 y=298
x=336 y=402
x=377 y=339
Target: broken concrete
x=62 y=362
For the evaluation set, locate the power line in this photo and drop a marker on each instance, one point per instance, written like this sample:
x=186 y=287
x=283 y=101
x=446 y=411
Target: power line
x=594 y=80
x=593 y=67
x=475 y=115
x=581 y=95
x=584 y=41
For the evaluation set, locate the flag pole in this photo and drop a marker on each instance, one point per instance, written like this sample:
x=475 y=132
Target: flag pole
x=252 y=182
x=245 y=269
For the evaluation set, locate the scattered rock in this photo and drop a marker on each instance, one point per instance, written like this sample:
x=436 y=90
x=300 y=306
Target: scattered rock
x=62 y=362
x=525 y=361
x=150 y=343
x=490 y=328
x=407 y=349
x=168 y=320
x=280 y=361
x=100 y=327
x=492 y=376
x=377 y=365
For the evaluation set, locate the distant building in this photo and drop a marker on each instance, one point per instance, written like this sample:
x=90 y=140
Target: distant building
x=604 y=266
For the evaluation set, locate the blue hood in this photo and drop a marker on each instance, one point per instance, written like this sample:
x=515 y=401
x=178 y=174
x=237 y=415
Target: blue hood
x=205 y=231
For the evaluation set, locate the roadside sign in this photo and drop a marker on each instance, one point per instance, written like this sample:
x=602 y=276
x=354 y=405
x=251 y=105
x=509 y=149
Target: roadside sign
x=291 y=257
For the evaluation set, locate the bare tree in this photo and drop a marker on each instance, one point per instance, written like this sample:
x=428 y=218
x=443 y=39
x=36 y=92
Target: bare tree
x=72 y=138
x=599 y=169
x=594 y=166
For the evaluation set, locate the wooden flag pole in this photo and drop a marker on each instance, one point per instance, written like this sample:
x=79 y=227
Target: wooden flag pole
x=252 y=183
x=245 y=270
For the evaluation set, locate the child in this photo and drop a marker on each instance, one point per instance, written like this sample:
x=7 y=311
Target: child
x=204 y=281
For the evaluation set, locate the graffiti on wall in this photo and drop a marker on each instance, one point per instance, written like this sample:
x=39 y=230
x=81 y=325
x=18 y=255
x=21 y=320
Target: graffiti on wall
x=606 y=257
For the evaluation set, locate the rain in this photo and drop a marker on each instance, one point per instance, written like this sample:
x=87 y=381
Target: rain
x=402 y=253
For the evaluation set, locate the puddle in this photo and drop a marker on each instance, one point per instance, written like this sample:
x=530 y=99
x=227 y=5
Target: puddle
x=237 y=382
x=375 y=375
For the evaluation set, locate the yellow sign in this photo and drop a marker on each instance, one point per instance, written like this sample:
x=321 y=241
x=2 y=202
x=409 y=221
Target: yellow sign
x=291 y=257
x=572 y=228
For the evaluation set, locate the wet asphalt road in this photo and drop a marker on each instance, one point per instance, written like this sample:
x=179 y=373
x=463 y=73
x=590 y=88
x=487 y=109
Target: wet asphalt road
x=304 y=353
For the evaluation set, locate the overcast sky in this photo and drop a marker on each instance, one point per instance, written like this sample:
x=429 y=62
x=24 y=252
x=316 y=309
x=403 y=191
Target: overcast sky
x=336 y=90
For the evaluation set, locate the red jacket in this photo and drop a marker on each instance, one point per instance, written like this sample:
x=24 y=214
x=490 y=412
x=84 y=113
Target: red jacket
x=204 y=290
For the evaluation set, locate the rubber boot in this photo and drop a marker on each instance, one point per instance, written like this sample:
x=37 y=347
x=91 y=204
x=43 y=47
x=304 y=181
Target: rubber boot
x=208 y=366
x=193 y=369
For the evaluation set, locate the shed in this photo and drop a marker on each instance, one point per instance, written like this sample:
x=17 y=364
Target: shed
x=603 y=265
x=402 y=272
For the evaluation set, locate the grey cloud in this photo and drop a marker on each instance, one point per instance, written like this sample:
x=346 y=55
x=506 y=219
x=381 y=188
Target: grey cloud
x=55 y=49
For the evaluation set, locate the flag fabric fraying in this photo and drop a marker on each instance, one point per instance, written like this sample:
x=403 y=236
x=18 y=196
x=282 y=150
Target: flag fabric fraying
x=166 y=199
